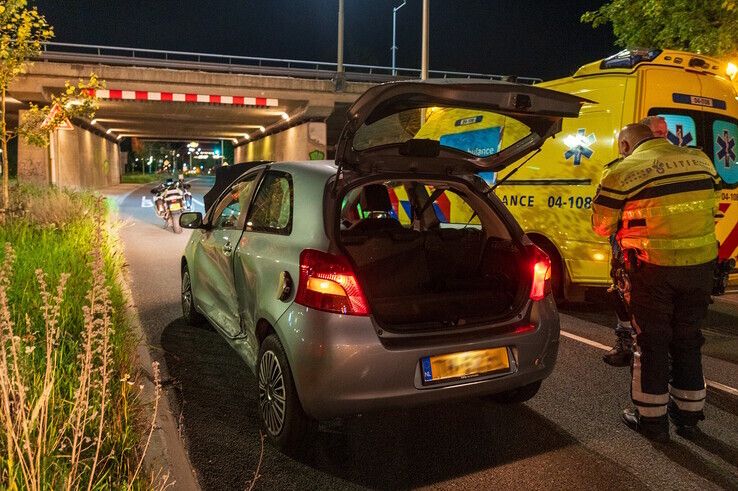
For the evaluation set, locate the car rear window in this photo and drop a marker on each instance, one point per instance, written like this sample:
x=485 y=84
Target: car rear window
x=477 y=133
x=450 y=208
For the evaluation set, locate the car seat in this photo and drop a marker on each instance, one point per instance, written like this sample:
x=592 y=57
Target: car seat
x=375 y=203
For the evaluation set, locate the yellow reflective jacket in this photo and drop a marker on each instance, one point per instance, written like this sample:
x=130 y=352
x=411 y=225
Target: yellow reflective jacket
x=661 y=201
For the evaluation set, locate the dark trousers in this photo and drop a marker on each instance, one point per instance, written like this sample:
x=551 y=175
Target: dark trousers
x=668 y=304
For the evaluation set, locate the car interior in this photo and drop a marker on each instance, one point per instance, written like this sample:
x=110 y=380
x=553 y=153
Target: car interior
x=426 y=261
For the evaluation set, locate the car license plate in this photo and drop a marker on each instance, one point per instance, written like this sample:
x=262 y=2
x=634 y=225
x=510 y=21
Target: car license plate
x=464 y=365
x=175 y=207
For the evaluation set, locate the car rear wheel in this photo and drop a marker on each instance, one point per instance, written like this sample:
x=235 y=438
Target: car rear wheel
x=282 y=418
x=516 y=396
x=189 y=312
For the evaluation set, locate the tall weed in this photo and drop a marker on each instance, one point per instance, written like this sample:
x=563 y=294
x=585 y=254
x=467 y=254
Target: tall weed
x=68 y=405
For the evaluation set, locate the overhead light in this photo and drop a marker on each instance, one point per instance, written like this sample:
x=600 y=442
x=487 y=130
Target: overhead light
x=247 y=136
x=262 y=129
x=193 y=144
x=110 y=130
x=234 y=140
x=94 y=121
x=285 y=116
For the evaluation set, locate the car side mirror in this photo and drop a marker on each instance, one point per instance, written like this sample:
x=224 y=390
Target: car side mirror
x=191 y=219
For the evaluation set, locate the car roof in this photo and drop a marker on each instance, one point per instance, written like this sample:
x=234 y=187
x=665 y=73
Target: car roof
x=319 y=167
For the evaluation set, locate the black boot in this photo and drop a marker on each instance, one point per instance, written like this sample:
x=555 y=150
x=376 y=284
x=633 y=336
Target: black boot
x=685 y=421
x=655 y=429
x=621 y=354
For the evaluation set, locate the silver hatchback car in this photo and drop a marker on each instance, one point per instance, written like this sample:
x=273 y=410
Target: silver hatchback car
x=392 y=276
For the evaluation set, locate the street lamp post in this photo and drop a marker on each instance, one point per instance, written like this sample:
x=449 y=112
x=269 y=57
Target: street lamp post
x=340 y=76
x=424 y=56
x=339 y=63
x=394 y=37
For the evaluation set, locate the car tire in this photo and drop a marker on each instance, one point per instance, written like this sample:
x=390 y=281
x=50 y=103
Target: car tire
x=189 y=312
x=516 y=396
x=291 y=433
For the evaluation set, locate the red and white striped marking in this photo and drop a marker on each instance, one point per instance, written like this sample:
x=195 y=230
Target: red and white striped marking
x=144 y=95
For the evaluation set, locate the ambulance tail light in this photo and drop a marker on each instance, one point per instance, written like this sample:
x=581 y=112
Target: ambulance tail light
x=541 y=284
x=328 y=283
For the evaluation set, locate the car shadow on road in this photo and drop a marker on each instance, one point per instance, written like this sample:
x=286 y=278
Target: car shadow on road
x=216 y=396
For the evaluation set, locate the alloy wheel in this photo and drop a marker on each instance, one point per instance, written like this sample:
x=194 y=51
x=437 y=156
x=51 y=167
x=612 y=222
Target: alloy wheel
x=186 y=293
x=272 y=404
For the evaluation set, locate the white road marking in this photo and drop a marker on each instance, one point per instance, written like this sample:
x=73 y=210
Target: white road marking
x=595 y=344
x=146 y=202
x=727 y=298
x=724 y=388
x=586 y=341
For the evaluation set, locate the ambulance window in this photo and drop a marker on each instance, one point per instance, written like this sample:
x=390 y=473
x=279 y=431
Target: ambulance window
x=724 y=136
x=453 y=211
x=682 y=129
x=479 y=133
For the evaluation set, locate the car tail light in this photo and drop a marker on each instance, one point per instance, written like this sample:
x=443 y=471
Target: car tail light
x=328 y=282
x=541 y=275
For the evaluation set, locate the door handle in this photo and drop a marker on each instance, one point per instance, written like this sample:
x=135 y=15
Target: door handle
x=227 y=249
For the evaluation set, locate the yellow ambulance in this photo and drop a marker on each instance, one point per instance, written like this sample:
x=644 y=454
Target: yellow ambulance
x=551 y=195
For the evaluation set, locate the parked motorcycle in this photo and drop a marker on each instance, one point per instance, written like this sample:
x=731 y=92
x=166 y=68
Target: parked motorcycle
x=171 y=198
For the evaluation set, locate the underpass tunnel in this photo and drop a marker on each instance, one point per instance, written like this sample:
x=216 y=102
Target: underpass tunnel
x=261 y=117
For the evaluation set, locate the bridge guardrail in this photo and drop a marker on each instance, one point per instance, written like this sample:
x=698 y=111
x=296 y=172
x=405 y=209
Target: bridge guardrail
x=116 y=55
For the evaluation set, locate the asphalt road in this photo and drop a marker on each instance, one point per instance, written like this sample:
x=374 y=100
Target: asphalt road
x=568 y=437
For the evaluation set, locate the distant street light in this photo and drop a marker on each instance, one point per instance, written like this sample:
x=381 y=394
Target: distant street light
x=394 y=37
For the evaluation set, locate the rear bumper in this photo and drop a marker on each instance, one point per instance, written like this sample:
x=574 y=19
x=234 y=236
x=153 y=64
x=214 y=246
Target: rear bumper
x=341 y=367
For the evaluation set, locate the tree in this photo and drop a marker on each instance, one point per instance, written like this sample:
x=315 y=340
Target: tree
x=702 y=26
x=76 y=101
x=22 y=32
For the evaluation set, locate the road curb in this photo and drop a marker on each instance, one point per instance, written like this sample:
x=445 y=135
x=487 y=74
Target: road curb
x=166 y=458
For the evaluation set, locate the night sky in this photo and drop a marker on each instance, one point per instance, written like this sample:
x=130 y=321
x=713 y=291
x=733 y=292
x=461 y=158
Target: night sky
x=537 y=38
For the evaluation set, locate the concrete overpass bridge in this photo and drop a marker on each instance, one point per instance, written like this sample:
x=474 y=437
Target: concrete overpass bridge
x=269 y=108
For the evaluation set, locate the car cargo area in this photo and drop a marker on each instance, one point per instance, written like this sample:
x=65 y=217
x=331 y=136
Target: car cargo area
x=426 y=265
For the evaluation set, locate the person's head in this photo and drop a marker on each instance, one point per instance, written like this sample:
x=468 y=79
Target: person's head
x=631 y=136
x=657 y=125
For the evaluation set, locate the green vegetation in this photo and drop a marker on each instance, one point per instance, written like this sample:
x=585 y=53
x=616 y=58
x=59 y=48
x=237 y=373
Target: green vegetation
x=22 y=32
x=69 y=408
x=143 y=178
x=709 y=27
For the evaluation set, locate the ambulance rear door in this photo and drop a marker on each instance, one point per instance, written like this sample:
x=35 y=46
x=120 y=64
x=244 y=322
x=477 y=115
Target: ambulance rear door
x=701 y=111
x=721 y=144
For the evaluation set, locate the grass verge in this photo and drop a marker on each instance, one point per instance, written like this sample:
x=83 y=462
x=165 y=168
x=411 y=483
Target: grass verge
x=143 y=178
x=70 y=412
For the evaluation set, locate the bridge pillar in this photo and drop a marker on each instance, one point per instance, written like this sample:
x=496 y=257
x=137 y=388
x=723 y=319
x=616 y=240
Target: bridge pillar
x=306 y=141
x=75 y=158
